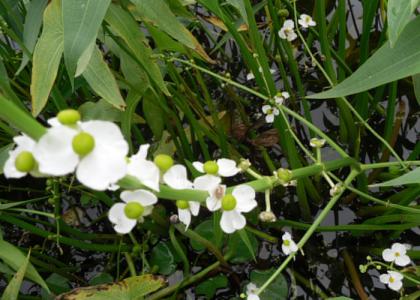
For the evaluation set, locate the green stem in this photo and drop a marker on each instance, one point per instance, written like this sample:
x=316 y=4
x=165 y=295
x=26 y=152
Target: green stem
x=310 y=231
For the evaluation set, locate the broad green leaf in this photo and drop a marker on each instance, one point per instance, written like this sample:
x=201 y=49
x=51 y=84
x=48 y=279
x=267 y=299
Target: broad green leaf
x=386 y=65
x=153 y=114
x=412 y=296
x=205 y=229
x=100 y=110
x=123 y=24
x=12 y=290
x=47 y=56
x=209 y=287
x=81 y=22
x=101 y=278
x=157 y=13
x=278 y=289
x=408 y=178
x=101 y=80
x=162 y=257
x=133 y=288
x=58 y=283
x=245 y=239
x=33 y=21
x=243 y=252
x=15 y=259
x=4 y=155
x=416 y=85
x=399 y=15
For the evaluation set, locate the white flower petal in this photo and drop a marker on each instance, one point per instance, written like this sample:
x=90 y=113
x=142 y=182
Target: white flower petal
x=53 y=122
x=54 y=152
x=291 y=36
x=269 y=118
x=199 y=166
x=289 y=24
x=185 y=217
x=147 y=211
x=142 y=153
x=144 y=197
x=286 y=249
x=9 y=168
x=238 y=220
x=396 y=275
x=122 y=224
x=293 y=247
x=213 y=203
x=266 y=108
x=285 y=95
x=384 y=278
x=99 y=169
x=245 y=198
x=145 y=171
x=388 y=255
x=252 y=297
x=194 y=207
x=286 y=236
x=402 y=260
x=400 y=248
x=227 y=167
x=207 y=183
x=282 y=33
x=176 y=178
x=226 y=222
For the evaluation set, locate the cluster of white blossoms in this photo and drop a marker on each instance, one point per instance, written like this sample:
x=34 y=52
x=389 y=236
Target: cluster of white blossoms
x=97 y=152
x=287 y=31
x=397 y=255
x=270 y=111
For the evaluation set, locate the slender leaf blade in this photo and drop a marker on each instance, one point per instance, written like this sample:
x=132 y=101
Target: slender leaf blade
x=416 y=85
x=386 y=65
x=101 y=80
x=408 y=178
x=12 y=290
x=399 y=15
x=81 y=22
x=47 y=56
x=14 y=258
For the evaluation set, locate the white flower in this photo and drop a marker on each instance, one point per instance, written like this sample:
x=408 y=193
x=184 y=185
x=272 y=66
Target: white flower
x=176 y=178
x=233 y=205
x=287 y=31
x=280 y=97
x=144 y=170
x=392 y=279
x=186 y=209
x=96 y=149
x=317 y=143
x=288 y=246
x=21 y=160
x=397 y=254
x=137 y=204
x=270 y=112
x=211 y=184
x=251 y=292
x=251 y=75
x=222 y=167
x=305 y=21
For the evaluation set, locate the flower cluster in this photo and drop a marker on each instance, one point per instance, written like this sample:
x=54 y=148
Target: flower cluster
x=96 y=152
x=271 y=111
x=287 y=31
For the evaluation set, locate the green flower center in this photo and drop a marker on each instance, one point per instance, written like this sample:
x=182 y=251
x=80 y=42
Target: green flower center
x=397 y=254
x=228 y=202
x=83 y=143
x=286 y=243
x=25 y=162
x=164 y=162
x=133 y=210
x=211 y=167
x=391 y=279
x=182 y=204
x=68 y=116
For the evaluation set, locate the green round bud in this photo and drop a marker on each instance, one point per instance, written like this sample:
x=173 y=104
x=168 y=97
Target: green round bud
x=68 y=116
x=284 y=175
x=25 y=162
x=228 y=202
x=284 y=13
x=182 y=204
x=286 y=243
x=83 y=143
x=211 y=167
x=163 y=161
x=378 y=267
x=133 y=210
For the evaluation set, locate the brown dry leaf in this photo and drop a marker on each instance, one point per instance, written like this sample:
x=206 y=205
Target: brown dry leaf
x=73 y=216
x=219 y=23
x=268 y=138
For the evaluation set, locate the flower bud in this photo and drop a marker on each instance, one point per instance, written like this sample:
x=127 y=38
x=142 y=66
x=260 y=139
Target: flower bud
x=267 y=216
x=68 y=116
x=317 y=143
x=378 y=267
x=283 y=13
x=83 y=143
x=244 y=164
x=211 y=167
x=25 y=162
x=133 y=210
x=284 y=175
x=362 y=268
x=174 y=219
x=164 y=162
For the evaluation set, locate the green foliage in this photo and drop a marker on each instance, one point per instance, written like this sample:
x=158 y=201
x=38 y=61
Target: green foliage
x=399 y=14
x=412 y=177
x=209 y=287
x=12 y=290
x=131 y=288
x=279 y=289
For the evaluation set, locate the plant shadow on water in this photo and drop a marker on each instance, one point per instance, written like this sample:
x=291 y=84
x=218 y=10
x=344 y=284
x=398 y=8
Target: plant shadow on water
x=322 y=263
